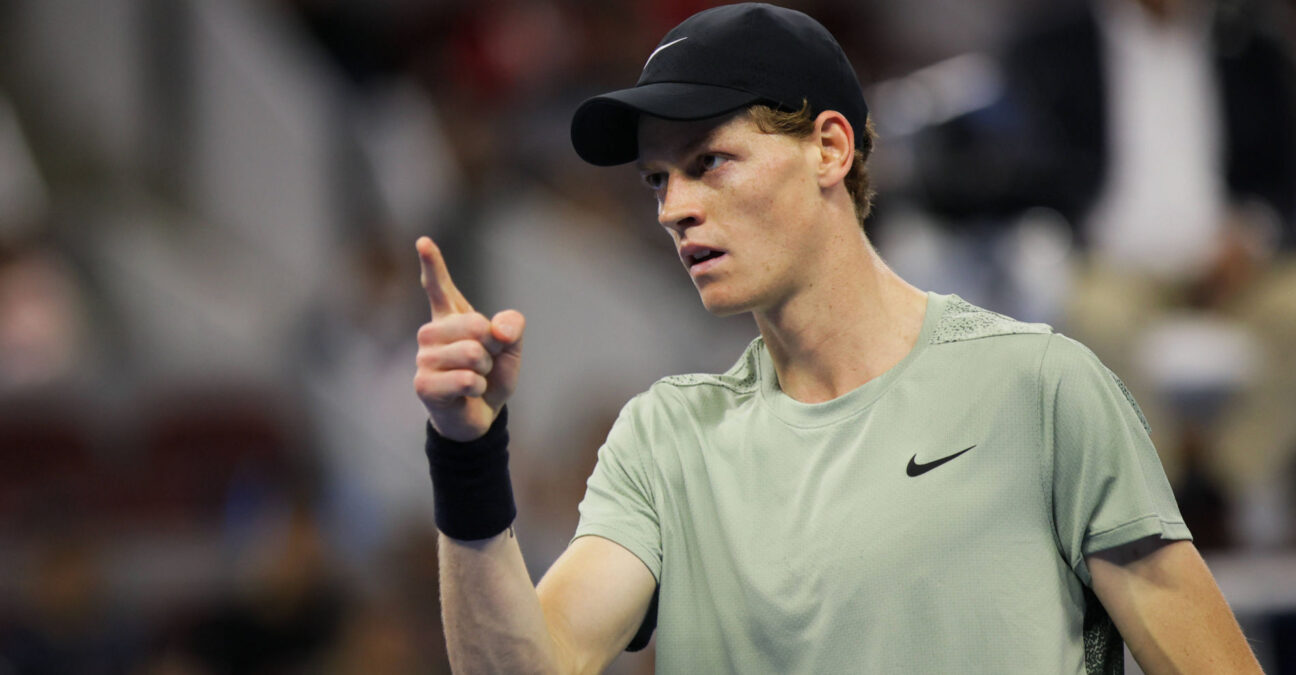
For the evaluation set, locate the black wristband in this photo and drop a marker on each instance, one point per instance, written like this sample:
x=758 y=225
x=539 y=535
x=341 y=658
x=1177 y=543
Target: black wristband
x=470 y=482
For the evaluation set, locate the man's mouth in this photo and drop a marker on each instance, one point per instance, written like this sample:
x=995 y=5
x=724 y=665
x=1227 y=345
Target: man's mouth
x=696 y=257
x=704 y=256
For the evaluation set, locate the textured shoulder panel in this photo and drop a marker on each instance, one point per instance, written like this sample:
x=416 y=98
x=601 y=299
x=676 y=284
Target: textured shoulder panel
x=963 y=320
x=740 y=378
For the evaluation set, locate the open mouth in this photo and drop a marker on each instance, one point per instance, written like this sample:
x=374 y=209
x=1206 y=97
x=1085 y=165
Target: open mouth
x=702 y=256
x=698 y=258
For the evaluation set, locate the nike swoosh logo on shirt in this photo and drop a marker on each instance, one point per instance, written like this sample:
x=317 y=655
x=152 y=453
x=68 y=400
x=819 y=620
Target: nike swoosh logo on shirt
x=658 y=50
x=916 y=469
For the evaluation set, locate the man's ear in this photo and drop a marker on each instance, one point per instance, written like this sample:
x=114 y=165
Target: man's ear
x=835 y=141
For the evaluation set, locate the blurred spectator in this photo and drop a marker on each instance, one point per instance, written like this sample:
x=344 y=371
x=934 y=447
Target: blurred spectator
x=1164 y=131
x=378 y=639
x=1073 y=119
x=290 y=614
x=44 y=318
x=44 y=321
x=67 y=623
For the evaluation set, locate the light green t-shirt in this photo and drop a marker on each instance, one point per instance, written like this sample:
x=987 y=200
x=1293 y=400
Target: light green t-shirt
x=934 y=520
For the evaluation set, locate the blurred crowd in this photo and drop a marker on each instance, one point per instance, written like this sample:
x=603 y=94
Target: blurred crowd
x=210 y=451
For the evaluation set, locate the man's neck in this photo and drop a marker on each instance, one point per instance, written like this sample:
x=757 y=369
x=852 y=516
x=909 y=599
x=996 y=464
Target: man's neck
x=853 y=323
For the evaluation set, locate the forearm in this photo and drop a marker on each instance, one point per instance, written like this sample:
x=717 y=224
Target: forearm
x=492 y=616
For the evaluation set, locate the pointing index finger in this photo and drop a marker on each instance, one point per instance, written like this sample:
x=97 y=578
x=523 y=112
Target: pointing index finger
x=442 y=294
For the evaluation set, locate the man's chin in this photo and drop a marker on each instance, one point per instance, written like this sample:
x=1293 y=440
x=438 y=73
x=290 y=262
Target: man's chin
x=722 y=307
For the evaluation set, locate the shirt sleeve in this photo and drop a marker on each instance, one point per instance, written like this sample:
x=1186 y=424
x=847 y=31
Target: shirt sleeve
x=1108 y=485
x=619 y=503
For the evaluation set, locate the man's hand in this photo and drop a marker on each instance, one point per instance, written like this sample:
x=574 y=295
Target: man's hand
x=467 y=364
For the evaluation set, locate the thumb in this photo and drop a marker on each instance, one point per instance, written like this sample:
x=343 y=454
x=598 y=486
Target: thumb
x=507 y=327
x=506 y=334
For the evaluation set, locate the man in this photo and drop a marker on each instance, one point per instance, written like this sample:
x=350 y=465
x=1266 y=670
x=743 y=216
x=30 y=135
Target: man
x=887 y=480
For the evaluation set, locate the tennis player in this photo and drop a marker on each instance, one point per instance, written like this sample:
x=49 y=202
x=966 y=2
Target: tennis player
x=887 y=480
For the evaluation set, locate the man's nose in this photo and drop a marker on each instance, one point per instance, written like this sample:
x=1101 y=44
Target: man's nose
x=681 y=204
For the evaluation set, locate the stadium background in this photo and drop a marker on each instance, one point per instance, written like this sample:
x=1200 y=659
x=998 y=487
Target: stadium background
x=210 y=452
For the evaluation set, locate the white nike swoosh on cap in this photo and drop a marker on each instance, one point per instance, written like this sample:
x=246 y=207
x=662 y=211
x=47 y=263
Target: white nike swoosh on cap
x=658 y=50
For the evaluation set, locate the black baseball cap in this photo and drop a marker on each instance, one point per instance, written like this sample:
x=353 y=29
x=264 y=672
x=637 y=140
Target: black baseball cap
x=718 y=61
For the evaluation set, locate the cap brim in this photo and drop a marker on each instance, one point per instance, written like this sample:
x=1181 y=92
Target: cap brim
x=605 y=129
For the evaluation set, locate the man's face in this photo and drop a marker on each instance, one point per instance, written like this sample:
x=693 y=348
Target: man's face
x=738 y=203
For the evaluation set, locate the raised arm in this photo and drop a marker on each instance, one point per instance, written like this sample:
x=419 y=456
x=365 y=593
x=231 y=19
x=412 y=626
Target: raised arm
x=1168 y=609
x=593 y=599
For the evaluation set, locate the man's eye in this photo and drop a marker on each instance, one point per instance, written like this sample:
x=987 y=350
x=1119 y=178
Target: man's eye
x=654 y=181
x=710 y=162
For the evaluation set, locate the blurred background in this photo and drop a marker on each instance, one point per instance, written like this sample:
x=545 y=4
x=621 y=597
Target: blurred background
x=210 y=451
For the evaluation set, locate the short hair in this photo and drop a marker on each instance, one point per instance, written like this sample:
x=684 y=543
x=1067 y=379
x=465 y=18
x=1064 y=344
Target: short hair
x=800 y=124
